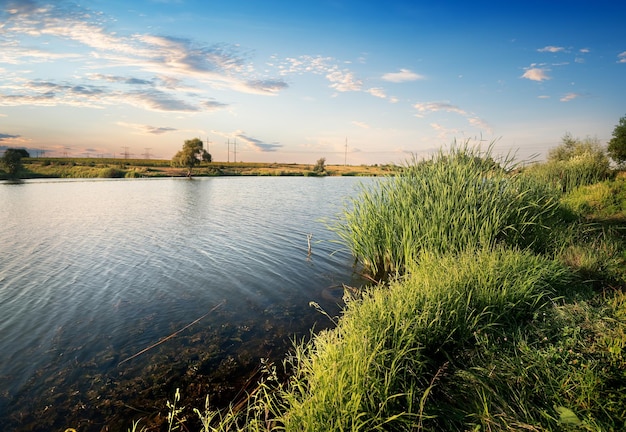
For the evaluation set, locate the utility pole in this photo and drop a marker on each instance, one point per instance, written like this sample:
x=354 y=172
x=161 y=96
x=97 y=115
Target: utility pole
x=228 y=157
x=235 y=149
x=147 y=154
x=125 y=152
x=207 y=144
x=345 y=158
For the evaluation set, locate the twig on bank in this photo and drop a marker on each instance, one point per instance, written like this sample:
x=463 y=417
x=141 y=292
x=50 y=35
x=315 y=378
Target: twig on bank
x=170 y=336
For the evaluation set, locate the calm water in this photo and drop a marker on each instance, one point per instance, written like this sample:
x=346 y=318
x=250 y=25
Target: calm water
x=94 y=272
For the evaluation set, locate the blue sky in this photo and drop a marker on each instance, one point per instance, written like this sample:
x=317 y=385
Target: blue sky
x=293 y=81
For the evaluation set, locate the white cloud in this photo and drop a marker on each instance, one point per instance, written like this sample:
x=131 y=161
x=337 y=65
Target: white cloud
x=570 y=96
x=378 y=92
x=551 y=48
x=147 y=129
x=479 y=123
x=361 y=124
x=344 y=81
x=159 y=60
x=428 y=107
x=585 y=50
x=622 y=57
x=257 y=144
x=404 y=75
x=536 y=74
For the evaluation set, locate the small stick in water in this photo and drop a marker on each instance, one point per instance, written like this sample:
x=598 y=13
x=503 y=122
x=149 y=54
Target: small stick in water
x=170 y=336
x=308 y=239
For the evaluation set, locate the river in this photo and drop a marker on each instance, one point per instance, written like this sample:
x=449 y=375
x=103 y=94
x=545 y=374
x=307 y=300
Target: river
x=113 y=293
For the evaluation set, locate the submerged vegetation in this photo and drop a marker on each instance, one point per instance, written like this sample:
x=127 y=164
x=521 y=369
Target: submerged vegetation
x=501 y=306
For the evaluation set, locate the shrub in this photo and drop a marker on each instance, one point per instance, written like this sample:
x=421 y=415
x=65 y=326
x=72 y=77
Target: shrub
x=573 y=164
x=111 y=173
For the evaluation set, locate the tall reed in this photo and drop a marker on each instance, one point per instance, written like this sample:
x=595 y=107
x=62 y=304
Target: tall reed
x=456 y=200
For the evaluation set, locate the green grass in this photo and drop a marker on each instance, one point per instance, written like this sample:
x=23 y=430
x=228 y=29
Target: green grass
x=567 y=175
x=484 y=340
x=456 y=200
x=376 y=369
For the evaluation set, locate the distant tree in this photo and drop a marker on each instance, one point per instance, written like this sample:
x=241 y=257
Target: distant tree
x=23 y=152
x=573 y=148
x=12 y=161
x=577 y=162
x=190 y=155
x=617 y=145
x=320 y=166
x=206 y=156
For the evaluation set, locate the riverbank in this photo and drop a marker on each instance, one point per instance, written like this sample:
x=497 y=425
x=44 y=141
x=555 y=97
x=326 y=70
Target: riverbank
x=509 y=312
x=138 y=168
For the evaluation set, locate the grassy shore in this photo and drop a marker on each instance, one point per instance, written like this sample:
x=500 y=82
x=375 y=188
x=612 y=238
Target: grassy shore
x=503 y=307
x=137 y=168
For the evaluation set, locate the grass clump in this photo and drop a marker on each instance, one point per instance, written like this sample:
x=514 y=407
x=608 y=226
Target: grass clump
x=376 y=370
x=456 y=200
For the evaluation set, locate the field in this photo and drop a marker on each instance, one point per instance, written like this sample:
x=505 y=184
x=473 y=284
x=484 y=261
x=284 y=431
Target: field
x=138 y=168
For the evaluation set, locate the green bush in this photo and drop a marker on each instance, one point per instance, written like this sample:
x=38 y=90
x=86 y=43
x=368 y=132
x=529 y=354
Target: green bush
x=573 y=164
x=111 y=173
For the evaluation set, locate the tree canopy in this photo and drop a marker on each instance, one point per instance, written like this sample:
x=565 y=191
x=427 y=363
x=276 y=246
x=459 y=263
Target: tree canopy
x=12 y=161
x=617 y=145
x=190 y=155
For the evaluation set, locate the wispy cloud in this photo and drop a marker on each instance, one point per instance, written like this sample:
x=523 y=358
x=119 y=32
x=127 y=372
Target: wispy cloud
x=7 y=137
x=266 y=86
x=621 y=58
x=166 y=73
x=570 y=96
x=156 y=100
x=404 y=75
x=147 y=129
x=378 y=92
x=552 y=49
x=430 y=107
x=444 y=133
x=258 y=145
x=212 y=105
x=344 y=81
x=535 y=73
x=49 y=93
x=361 y=124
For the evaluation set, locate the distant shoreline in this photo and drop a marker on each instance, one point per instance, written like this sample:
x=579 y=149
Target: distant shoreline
x=141 y=168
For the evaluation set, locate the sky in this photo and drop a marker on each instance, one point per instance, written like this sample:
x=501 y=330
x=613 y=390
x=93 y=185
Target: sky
x=355 y=82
